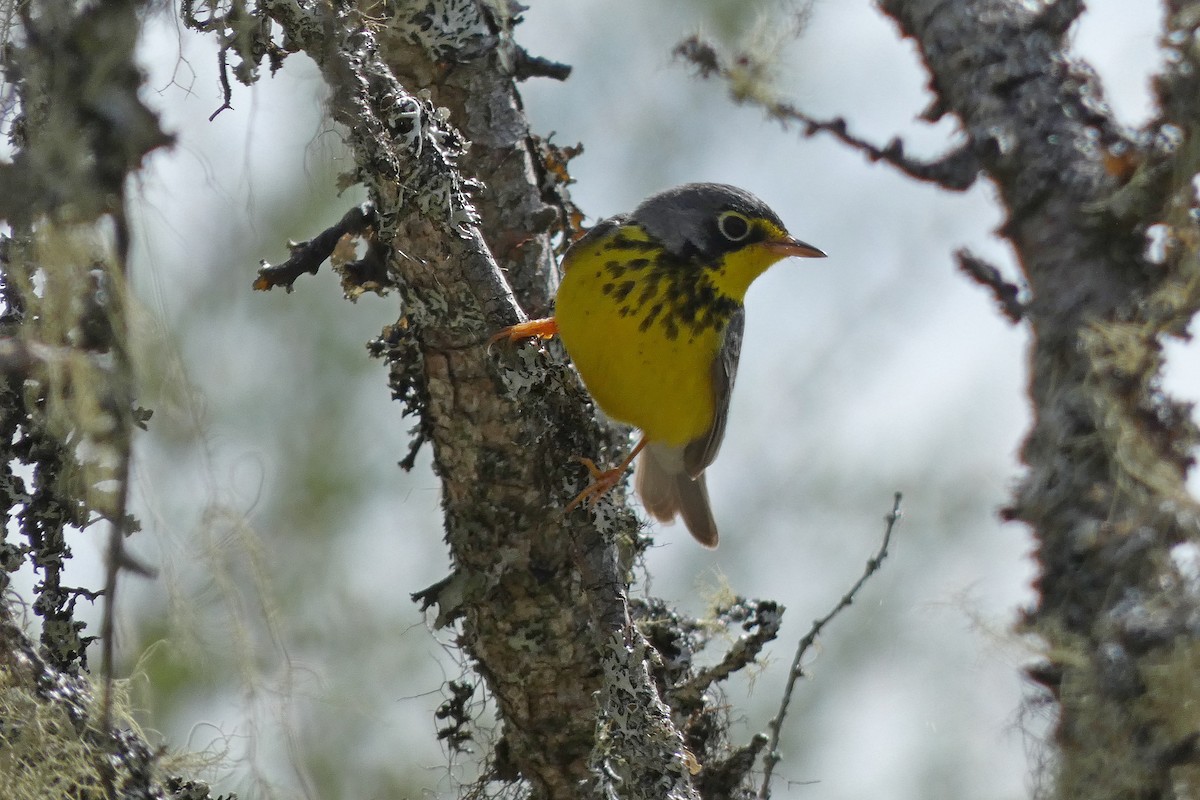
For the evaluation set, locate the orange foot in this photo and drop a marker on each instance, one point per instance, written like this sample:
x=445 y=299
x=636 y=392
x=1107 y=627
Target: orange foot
x=540 y=328
x=603 y=480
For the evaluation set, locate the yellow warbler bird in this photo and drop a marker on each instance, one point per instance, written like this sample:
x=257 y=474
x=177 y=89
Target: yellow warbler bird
x=650 y=312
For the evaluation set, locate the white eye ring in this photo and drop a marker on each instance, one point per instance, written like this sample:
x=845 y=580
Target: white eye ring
x=733 y=226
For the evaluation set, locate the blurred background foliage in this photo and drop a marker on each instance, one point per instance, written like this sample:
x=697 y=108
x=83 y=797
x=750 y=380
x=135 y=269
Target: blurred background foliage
x=280 y=634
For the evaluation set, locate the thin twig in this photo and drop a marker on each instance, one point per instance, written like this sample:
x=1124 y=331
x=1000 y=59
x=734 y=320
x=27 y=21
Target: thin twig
x=797 y=670
x=226 y=91
x=955 y=171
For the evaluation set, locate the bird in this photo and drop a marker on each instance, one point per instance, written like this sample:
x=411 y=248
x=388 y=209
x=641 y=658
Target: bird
x=650 y=311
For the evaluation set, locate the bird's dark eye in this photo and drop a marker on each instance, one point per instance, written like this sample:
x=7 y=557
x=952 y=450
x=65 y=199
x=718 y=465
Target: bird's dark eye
x=733 y=226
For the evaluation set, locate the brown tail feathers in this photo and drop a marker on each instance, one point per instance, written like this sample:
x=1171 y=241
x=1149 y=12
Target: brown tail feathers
x=668 y=491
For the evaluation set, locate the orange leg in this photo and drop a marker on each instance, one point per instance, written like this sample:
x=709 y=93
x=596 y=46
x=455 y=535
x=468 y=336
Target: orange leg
x=540 y=328
x=602 y=480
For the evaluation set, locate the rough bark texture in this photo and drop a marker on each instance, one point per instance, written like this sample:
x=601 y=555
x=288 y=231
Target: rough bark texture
x=1108 y=453
x=589 y=706
x=540 y=597
x=593 y=704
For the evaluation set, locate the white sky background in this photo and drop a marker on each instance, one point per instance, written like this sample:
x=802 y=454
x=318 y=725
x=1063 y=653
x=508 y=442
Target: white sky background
x=879 y=368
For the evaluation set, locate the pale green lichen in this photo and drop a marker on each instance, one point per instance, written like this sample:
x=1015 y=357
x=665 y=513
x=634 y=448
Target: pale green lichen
x=638 y=752
x=444 y=28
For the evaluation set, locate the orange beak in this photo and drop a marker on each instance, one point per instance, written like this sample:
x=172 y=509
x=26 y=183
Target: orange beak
x=792 y=246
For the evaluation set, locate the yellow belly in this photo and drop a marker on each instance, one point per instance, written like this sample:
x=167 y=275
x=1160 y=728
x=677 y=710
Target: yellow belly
x=645 y=378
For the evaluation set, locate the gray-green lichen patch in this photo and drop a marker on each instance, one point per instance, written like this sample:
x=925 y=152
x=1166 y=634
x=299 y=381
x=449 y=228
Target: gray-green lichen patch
x=445 y=29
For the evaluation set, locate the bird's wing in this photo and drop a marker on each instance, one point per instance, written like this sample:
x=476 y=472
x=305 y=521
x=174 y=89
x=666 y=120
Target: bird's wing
x=701 y=452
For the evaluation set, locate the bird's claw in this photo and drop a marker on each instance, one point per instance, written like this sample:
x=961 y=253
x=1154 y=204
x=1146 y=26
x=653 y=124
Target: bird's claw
x=603 y=481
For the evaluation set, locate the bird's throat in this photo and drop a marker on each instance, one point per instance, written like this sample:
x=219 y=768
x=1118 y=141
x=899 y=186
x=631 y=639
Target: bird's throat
x=733 y=276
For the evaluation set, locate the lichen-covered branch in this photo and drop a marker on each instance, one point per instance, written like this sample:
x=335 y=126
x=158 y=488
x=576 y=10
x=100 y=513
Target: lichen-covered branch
x=1107 y=457
x=540 y=598
x=78 y=129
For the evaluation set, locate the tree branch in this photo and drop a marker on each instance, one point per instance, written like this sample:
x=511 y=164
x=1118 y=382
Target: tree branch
x=775 y=726
x=955 y=170
x=307 y=256
x=1107 y=457
x=543 y=610
x=79 y=133
x=1008 y=295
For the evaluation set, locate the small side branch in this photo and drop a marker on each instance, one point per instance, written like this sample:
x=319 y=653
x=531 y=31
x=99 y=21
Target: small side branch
x=1008 y=295
x=797 y=670
x=955 y=171
x=528 y=66
x=761 y=620
x=226 y=89
x=309 y=255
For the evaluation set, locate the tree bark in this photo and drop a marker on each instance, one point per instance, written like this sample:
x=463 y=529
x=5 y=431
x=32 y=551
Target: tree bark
x=1107 y=456
x=596 y=694
x=540 y=597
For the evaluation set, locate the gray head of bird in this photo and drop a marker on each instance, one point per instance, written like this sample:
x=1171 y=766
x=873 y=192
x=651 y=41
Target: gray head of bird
x=707 y=220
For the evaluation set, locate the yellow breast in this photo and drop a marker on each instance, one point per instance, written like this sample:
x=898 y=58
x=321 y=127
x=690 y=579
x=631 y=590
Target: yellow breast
x=644 y=362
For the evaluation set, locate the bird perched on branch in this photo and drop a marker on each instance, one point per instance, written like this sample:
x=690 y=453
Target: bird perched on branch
x=650 y=312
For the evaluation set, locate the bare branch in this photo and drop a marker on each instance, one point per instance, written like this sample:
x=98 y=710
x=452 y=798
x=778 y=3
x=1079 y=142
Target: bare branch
x=797 y=670
x=955 y=170
x=307 y=256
